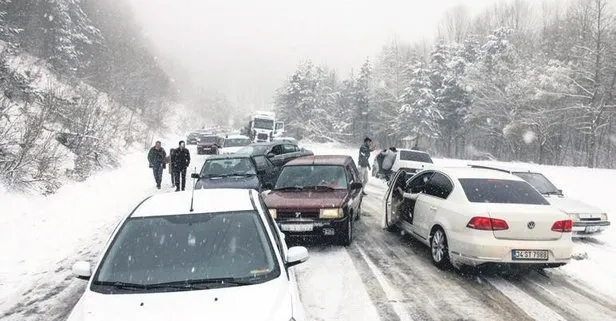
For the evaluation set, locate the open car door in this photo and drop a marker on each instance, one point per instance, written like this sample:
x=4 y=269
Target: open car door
x=390 y=219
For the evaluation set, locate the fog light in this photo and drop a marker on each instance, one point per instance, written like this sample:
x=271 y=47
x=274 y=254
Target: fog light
x=328 y=231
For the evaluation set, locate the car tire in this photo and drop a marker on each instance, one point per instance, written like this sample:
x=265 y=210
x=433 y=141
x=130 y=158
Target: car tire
x=439 y=249
x=346 y=237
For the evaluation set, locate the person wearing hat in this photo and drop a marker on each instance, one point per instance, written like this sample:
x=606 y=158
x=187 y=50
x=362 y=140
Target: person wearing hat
x=180 y=160
x=157 y=159
x=364 y=160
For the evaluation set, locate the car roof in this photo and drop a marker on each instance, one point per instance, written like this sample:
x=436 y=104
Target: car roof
x=412 y=150
x=237 y=136
x=228 y=156
x=320 y=160
x=470 y=172
x=205 y=201
x=503 y=168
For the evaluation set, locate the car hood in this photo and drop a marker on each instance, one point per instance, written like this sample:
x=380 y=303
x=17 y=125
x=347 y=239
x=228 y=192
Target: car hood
x=248 y=182
x=571 y=206
x=270 y=301
x=305 y=199
x=230 y=150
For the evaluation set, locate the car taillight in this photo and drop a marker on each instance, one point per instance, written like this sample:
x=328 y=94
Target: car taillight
x=562 y=226
x=487 y=224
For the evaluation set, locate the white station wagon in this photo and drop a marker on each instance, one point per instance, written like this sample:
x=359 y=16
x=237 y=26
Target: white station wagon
x=470 y=216
x=223 y=260
x=587 y=219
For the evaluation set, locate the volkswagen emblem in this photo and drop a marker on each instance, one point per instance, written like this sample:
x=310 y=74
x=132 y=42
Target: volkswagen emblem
x=531 y=225
x=298 y=214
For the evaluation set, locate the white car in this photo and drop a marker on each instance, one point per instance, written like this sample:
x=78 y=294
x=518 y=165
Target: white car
x=233 y=143
x=587 y=219
x=409 y=160
x=222 y=259
x=471 y=216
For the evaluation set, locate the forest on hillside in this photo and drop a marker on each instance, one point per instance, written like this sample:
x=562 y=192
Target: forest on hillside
x=524 y=80
x=79 y=85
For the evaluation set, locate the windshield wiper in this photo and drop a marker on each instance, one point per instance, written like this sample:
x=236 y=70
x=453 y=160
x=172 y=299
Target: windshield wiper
x=290 y=188
x=322 y=187
x=242 y=174
x=200 y=283
x=122 y=285
x=552 y=193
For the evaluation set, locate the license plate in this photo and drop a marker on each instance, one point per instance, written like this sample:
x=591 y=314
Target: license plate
x=529 y=255
x=296 y=227
x=591 y=229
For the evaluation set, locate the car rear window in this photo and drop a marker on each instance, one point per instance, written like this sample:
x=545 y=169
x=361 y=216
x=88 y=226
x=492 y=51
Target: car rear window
x=481 y=190
x=408 y=155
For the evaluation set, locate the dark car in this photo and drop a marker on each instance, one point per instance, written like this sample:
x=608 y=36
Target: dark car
x=209 y=144
x=193 y=138
x=317 y=196
x=279 y=152
x=233 y=171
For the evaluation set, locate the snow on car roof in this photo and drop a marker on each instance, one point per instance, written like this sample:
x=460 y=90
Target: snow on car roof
x=469 y=172
x=412 y=150
x=509 y=168
x=205 y=201
x=320 y=160
x=237 y=137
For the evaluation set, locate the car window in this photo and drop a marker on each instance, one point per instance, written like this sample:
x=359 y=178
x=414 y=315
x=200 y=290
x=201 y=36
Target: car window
x=439 y=186
x=277 y=150
x=355 y=172
x=273 y=227
x=409 y=155
x=416 y=184
x=232 y=166
x=538 y=181
x=180 y=248
x=312 y=176
x=288 y=148
x=481 y=190
x=349 y=174
x=262 y=163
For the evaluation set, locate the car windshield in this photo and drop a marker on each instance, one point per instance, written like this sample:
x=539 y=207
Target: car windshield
x=539 y=182
x=228 y=167
x=409 y=155
x=481 y=190
x=236 y=142
x=263 y=123
x=253 y=150
x=208 y=139
x=149 y=251
x=312 y=176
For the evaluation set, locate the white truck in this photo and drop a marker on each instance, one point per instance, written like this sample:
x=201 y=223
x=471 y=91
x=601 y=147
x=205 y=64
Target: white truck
x=263 y=127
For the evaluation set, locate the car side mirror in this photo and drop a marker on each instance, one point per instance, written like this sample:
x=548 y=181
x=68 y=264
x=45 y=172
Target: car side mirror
x=560 y=191
x=195 y=176
x=296 y=255
x=82 y=270
x=270 y=155
x=357 y=185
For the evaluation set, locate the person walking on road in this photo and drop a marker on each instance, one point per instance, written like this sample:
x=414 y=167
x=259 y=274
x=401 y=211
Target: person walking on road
x=364 y=161
x=180 y=160
x=156 y=158
x=170 y=164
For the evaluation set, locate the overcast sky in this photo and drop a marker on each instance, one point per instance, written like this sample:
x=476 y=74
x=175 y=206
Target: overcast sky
x=246 y=48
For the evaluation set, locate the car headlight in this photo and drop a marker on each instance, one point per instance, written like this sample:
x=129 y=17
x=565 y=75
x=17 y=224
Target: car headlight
x=604 y=216
x=331 y=213
x=273 y=212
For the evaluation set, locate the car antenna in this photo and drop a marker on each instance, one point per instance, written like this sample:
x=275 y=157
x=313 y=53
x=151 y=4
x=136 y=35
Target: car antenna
x=192 y=196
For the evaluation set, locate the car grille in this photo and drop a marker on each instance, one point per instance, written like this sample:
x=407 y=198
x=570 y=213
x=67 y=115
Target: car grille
x=303 y=214
x=262 y=136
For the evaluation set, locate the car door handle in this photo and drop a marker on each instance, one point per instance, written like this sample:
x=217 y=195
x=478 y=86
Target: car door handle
x=433 y=208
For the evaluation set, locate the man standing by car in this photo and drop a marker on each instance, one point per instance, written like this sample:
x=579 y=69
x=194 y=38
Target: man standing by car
x=364 y=160
x=389 y=157
x=156 y=158
x=180 y=160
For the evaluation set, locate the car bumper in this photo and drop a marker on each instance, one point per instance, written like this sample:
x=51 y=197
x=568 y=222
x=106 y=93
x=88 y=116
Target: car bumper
x=312 y=228
x=477 y=250
x=581 y=228
x=206 y=150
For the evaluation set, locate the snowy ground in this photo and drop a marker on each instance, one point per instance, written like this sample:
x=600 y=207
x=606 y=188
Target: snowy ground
x=382 y=276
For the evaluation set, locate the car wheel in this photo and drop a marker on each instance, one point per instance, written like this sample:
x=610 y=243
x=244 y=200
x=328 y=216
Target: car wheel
x=439 y=249
x=347 y=236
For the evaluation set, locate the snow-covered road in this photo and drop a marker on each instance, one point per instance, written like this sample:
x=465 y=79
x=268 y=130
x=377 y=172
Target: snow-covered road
x=381 y=276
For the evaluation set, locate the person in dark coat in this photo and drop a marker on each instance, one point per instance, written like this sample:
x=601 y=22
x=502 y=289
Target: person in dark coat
x=364 y=160
x=170 y=164
x=157 y=157
x=180 y=160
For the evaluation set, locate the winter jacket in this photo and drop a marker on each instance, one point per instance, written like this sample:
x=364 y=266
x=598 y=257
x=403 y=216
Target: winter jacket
x=388 y=159
x=180 y=159
x=156 y=157
x=364 y=155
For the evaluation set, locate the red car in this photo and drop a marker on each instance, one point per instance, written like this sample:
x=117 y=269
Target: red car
x=209 y=144
x=317 y=196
